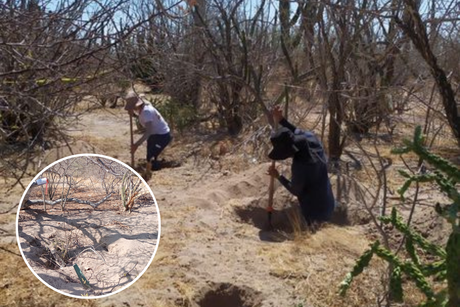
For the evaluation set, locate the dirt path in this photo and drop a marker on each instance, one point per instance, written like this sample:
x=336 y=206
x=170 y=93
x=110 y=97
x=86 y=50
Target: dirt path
x=214 y=249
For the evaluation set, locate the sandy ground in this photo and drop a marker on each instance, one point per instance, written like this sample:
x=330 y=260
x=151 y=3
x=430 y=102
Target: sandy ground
x=111 y=247
x=215 y=248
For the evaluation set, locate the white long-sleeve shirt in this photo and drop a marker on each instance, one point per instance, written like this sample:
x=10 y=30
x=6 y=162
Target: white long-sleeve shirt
x=153 y=123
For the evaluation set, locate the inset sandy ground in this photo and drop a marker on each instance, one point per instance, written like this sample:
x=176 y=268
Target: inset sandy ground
x=110 y=247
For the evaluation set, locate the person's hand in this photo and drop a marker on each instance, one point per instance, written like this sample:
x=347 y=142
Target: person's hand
x=133 y=148
x=272 y=171
x=277 y=114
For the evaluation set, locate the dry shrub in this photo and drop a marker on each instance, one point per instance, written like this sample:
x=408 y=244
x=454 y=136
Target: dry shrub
x=325 y=257
x=19 y=287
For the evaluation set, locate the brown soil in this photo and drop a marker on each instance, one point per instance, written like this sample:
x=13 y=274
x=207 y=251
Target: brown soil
x=227 y=295
x=215 y=246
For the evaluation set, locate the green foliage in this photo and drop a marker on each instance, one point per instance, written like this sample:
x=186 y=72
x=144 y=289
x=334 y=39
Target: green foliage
x=397 y=222
x=410 y=248
x=417 y=147
x=129 y=190
x=396 y=290
x=362 y=262
x=124 y=191
x=447 y=265
x=435 y=268
x=453 y=268
x=178 y=115
x=145 y=69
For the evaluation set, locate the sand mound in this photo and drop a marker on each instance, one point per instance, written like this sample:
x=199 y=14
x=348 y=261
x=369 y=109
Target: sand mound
x=252 y=183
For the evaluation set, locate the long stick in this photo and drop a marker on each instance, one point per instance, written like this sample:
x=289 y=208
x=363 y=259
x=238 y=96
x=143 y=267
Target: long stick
x=43 y=194
x=271 y=192
x=132 y=138
x=271 y=187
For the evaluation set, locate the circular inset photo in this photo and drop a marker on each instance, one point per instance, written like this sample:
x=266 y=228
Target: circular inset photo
x=88 y=226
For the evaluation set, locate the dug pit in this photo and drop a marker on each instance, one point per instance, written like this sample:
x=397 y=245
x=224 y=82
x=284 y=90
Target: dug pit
x=227 y=295
x=286 y=219
x=285 y=222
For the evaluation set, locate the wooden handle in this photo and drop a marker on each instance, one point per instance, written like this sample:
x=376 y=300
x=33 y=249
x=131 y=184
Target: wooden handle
x=271 y=191
x=132 y=138
x=271 y=187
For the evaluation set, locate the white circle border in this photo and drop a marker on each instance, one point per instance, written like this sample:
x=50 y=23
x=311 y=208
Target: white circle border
x=154 y=200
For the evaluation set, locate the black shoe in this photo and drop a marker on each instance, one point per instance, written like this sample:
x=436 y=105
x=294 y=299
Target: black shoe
x=156 y=165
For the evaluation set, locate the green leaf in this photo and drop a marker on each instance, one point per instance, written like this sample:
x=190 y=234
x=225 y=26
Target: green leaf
x=418 y=139
x=411 y=251
x=416 y=237
x=434 y=268
x=396 y=291
x=404 y=188
x=404 y=173
x=362 y=262
x=416 y=275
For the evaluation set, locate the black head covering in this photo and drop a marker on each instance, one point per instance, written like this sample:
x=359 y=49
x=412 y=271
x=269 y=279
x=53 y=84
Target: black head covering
x=284 y=147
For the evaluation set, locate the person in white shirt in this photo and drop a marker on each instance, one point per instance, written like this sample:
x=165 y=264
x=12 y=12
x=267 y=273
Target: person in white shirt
x=157 y=132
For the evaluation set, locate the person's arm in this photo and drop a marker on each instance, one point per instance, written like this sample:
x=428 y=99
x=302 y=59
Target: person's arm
x=283 y=122
x=288 y=185
x=149 y=130
x=278 y=117
x=295 y=187
x=298 y=182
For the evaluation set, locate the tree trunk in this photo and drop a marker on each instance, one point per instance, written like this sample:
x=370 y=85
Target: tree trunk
x=234 y=124
x=335 y=121
x=199 y=16
x=414 y=28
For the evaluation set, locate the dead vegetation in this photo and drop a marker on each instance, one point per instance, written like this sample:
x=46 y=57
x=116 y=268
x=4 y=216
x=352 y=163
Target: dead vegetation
x=310 y=264
x=79 y=219
x=361 y=78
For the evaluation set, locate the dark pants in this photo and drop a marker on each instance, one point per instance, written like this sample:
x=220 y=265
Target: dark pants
x=317 y=202
x=319 y=208
x=156 y=143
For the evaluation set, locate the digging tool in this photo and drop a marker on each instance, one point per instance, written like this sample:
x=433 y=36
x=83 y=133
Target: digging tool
x=271 y=187
x=271 y=192
x=82 y=277
x=132 y=137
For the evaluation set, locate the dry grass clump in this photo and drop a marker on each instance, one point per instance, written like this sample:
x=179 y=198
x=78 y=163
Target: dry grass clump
x=19 y=287
x=166 y=255
x=187 y=292
x=7 y=218
x=159 y=276
x=106 y=146
x=316 y=263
